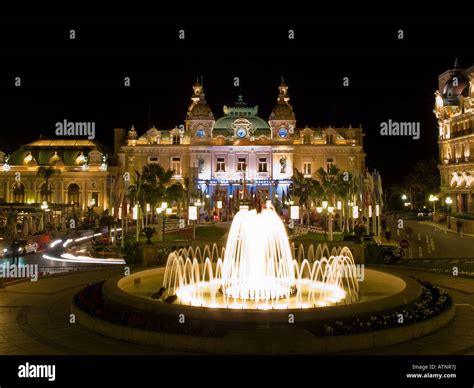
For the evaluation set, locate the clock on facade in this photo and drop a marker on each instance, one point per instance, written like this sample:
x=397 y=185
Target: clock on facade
x=283 y=132
x=200 y=132
x=241 y=132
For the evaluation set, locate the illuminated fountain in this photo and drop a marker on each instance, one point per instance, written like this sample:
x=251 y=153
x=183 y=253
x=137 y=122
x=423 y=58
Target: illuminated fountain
x=259 y=271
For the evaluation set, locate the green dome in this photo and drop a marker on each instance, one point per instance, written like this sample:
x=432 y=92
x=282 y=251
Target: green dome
x=241 y=111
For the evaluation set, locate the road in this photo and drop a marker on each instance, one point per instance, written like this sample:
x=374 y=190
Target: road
x=52 y=260
x=426 y=241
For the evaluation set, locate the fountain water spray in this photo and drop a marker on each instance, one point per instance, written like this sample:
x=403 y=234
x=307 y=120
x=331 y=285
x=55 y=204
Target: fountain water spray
x=259 y=270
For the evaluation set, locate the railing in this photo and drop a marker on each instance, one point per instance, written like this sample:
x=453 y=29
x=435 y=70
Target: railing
x=451 y=266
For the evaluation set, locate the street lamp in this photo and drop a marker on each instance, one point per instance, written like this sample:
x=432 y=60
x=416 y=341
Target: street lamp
x=404 y=197
x=433 y=199
x=448 y=201
x=294 y=215
x=328 y=211
x=44 y=207
x=192 y=216
x=164 y=211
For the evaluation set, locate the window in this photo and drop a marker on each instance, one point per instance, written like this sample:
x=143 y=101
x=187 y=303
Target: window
x=329 y=163
x=262 y=165
x=306 y=139
x=307 y=168
x=176 y=139
x=94 y=199
x=241 y=164
x=19 y=193
x=46 y=192
x=153 y=159
x=220 y=165
x=73 y=194
x=176 y=165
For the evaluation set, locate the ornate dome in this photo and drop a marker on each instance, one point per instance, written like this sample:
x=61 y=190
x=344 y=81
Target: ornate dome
x=199 y=108
x=283 y=110
x=455 y=87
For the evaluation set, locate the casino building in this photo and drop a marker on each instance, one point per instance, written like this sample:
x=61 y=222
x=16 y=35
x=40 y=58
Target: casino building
x=235 y=155
x=240 y=151
x=454 y=109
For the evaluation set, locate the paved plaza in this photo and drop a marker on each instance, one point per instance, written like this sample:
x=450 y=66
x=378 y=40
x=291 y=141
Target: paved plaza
x=34 y=320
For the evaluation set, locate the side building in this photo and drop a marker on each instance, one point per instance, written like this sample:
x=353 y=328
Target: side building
x=454 y=109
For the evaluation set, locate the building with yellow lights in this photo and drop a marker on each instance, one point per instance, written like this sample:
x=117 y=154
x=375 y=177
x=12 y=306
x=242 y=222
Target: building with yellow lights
x=80 y=175
x=241 y=148
x=454 y=109
x=238 y=153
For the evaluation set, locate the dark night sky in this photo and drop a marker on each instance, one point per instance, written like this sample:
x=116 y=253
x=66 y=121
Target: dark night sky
x=81 y=80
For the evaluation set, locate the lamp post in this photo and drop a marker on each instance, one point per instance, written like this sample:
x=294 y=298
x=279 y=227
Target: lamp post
x=433 y=199
x=448 y=201
x=164 y=209
x=294 y=215
x=192 y=216
x=231 y=206
x=328 y=212
x=44 y=207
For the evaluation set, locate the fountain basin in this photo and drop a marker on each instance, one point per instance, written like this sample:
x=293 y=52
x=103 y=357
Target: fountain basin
x=380 y=291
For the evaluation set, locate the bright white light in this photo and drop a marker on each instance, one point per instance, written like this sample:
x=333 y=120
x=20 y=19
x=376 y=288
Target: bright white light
x=377 y=210
x=295 y=212
x=55 y=242
x=67 y=242
x=370 y=211
x=219 y=204
x=68 y=258
x=259 y=272
x=355 y=212
x=192 y=213
x=325 y=204
x=339 y=205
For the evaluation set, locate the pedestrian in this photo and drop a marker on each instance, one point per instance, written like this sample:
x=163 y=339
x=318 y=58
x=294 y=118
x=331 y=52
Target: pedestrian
x=388 y=234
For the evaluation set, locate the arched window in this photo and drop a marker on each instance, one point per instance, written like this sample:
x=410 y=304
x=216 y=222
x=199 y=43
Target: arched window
x=18 y=193
x=73 y=194
x=46 y=192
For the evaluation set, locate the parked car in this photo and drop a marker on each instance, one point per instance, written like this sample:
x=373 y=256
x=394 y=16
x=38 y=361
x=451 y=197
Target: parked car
x=386 y=253
x=377 y=252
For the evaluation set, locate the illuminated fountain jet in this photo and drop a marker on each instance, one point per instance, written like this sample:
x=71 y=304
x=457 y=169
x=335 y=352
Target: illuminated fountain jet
x=259 y=271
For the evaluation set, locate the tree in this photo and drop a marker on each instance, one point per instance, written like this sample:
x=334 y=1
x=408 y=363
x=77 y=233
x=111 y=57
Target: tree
x=418 y=184
x=47 y=172
x=306 y=189
x=176 y=193
x=155 y=180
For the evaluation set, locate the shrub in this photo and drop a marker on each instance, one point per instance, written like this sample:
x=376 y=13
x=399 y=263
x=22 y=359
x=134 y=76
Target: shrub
x=132 y=252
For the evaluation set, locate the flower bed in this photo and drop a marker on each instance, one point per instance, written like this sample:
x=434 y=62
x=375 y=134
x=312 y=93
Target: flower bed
x=432 y=302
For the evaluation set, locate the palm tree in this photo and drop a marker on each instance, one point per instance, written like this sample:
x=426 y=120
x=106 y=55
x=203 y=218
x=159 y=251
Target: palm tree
x=135 y=195
x=47 y=172
x=306 y=189
x=155 y=181
x=176 y=194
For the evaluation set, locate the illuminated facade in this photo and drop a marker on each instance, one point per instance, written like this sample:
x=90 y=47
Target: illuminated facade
x=81 y=175
x=454 y=109
x=240 y=148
